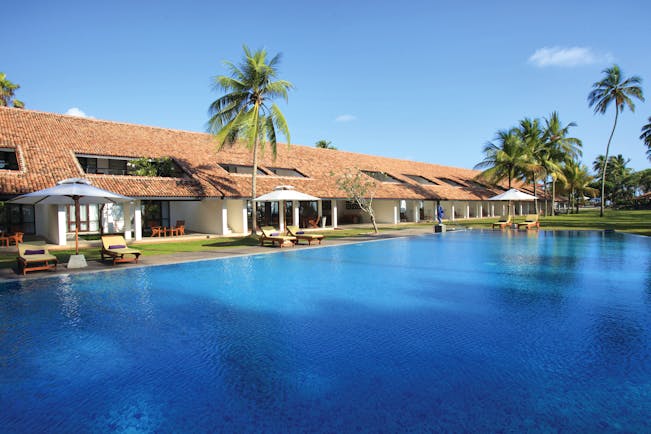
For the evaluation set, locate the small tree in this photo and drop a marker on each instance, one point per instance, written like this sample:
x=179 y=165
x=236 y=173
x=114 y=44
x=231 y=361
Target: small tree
x=360 y=189
x=325 y=144
x=163 y=166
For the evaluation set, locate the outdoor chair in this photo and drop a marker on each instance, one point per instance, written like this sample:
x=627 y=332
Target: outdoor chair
x=115 y=247
x=530 y=222
x=34 y=257
x=503 y=223
x=294 y=231
x=270 y=234
x=180 y=227
x=16 y=238
x=157 y=231
x=314 y=223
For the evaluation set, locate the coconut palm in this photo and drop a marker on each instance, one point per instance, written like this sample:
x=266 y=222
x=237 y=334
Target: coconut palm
x=576 y=182
x=504 y=158
x=613 y=88
x=7 y=90
x=246 y=111
x=646 y=138
x=532 y=138
x=559 y=147
x=325 y=144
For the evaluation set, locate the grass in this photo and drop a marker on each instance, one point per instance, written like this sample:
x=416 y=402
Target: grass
x=631 y=221
x=636 y=222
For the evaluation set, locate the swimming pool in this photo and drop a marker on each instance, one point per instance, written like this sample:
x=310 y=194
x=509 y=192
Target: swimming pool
x=474 y=331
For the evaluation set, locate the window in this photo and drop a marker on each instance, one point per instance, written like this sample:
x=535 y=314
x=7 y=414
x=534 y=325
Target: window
x=88 y=218
x=8 y=160
x=240 y=169
x=280 y=171
x=421 y=179
x=154 y=213
x=381 y=176
x=164 y=166
x=452 y=182
x=18 y=218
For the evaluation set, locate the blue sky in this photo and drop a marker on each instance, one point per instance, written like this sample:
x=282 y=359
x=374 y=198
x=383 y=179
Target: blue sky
x=421 y=80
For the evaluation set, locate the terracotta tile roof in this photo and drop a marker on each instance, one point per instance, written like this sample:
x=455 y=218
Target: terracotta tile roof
x=46 y=144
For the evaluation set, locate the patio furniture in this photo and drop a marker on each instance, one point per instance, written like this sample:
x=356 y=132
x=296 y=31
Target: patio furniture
x=530 y=221
x=503 y=222
x=272 y=235
x=16 y=238
x=294 y=231
x=314 y=223
x=157 y=231
x=34 y=257
x=115 y=247
x=179 y=228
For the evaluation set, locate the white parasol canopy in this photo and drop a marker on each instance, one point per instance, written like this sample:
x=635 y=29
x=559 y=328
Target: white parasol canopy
x=72 y=191
x=513 y=194
x=285 y=193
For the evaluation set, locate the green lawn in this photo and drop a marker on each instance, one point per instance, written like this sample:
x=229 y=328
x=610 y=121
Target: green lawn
x=636 y=222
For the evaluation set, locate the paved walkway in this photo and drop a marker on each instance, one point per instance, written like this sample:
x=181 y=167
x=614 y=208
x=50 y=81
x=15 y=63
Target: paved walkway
x=9 y=274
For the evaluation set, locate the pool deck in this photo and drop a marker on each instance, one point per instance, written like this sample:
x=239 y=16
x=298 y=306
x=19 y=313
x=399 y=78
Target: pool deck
x=11 y=274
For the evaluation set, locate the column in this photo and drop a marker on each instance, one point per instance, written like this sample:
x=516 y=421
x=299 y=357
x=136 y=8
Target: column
x=452 y=211
x=492 y=210
x=61 y=225
x=467 y=216
x=137 y=221
x=333 y=207
x=245 y=219
x=319 y=211
x=480 y=209
x=295 y=215
x=126 y=215
x=416 y=211
x=520 y=208
x=396 y=213
x=281 y=216
x=224 y=217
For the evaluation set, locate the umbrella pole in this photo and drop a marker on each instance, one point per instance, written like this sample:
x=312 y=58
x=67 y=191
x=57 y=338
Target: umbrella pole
x=76 y=199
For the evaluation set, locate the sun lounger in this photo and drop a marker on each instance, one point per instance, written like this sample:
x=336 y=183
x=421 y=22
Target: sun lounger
x=503 y=222
x=270 y=234
x=115 y=247
x=33 y=257
x=294 y=231
x=530 y=221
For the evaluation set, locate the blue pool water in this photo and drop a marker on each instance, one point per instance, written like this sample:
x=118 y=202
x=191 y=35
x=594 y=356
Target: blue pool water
x=474 y=331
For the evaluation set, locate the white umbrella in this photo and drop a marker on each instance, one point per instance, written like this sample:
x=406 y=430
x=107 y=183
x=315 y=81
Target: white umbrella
x=73 y=191
x=284 y=192
x=513 y=194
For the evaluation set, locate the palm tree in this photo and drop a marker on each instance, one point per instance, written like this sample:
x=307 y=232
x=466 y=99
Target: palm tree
x=532 y=138
x=246 y=111
x=576 y=181
x=325 y=144
x=646 y=138
x=560 y=148
x=7 y=90
x=504 y=158
x=613 y=88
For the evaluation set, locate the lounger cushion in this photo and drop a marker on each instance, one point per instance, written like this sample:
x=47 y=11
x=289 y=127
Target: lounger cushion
x=300 y=232
x=274 y=234
x=35 y=252
x=117 y=246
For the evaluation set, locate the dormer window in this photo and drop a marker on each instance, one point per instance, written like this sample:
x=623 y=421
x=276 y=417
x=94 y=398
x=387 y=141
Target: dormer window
x=452 y=182
x=8 y=160
x=421 y=179
x=107 y=165
x=382 y=176
x=281 y=171
x=240 y=169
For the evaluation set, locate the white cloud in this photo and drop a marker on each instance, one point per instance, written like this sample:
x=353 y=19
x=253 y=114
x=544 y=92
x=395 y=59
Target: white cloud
x=567 y=57
x=75 y=111
x=345 y=118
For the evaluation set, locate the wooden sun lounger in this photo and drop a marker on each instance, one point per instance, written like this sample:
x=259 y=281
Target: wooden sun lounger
x=115 y=247
x=294 y=231
x=503 y=223
x=270 y=234
x=530 y=221
x=32 y=257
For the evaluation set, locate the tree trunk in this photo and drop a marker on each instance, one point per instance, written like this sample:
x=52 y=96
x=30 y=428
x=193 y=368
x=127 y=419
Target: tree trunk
x=254 y=206
x=603 y=175
x=553 y=196
x=535 y=201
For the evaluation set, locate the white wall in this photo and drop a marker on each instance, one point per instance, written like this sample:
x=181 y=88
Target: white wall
x=386 y=210
x=200 y=216
x=235 y=215
x=186 y=210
